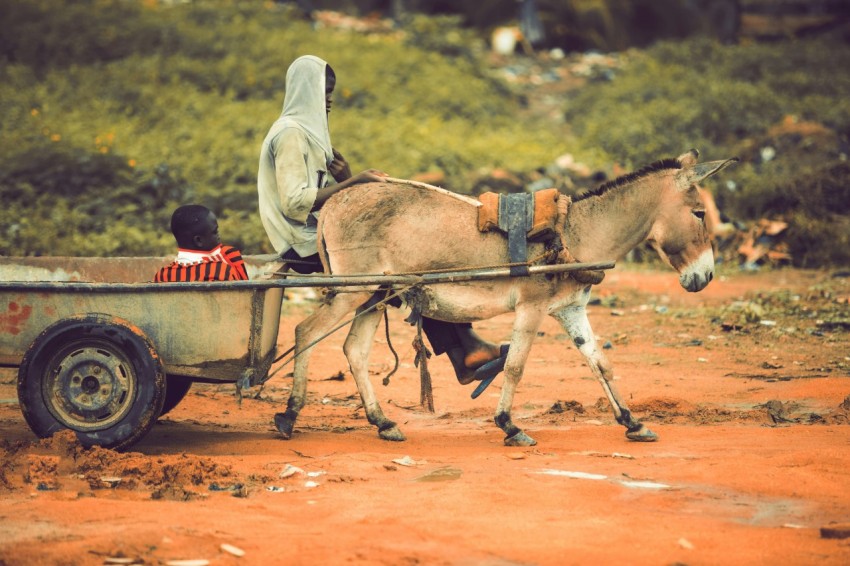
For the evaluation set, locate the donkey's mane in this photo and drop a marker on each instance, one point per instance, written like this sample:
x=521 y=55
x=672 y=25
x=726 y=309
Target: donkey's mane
x=661 y=164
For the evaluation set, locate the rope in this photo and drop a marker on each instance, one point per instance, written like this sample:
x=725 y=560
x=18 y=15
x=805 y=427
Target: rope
x=426 y=395
x=386 y=380
x=328 y=333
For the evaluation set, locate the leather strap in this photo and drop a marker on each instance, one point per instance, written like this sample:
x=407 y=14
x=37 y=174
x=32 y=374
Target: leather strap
x=516 y=214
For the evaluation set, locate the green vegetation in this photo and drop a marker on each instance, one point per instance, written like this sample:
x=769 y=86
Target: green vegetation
x=116 y=111
x=783 y=108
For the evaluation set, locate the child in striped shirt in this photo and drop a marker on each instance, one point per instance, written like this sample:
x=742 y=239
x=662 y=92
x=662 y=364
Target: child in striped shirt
x=200 y=254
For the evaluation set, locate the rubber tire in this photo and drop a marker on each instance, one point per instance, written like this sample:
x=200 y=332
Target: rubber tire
x=111 y=338
x=176 y=388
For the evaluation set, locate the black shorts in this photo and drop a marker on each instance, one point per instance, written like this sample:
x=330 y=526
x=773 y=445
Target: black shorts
x=298 y=264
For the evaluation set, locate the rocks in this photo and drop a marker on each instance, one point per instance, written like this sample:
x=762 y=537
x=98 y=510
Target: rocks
x=835 y=531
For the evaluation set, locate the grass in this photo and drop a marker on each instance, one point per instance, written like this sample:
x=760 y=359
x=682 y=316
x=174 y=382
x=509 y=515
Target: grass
x=115 y=112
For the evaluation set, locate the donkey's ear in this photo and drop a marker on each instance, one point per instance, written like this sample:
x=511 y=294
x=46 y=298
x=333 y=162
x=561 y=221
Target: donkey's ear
x=688 y=159
x=695 y=175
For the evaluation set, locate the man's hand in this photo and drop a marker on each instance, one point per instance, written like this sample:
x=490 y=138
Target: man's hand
x=369 y=176
x=339 y=167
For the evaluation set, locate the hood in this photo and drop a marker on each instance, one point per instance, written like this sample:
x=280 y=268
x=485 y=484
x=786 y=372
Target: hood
x=304 y=103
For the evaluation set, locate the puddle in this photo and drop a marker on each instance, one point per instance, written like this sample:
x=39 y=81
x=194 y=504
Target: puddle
x=441 y=474
x=764 y=511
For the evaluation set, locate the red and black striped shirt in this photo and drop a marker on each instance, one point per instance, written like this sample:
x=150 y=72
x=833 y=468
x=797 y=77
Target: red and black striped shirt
x=228 y=266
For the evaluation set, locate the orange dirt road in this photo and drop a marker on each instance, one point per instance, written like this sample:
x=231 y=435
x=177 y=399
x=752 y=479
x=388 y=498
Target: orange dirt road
x=747 y=385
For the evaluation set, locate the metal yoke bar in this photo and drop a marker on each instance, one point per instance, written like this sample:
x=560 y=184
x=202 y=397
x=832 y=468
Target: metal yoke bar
x=355 y=280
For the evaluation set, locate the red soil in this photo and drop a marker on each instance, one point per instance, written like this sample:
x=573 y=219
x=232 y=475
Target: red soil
x=746 y=384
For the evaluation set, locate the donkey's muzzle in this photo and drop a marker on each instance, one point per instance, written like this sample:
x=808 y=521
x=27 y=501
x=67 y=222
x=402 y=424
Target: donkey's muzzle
x=698 y=274
x=694 y=282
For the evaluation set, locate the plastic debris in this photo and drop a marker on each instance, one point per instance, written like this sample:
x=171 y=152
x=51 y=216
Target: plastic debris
x=111 y=481
x=644 y=484
x=289 y=470
x=575 y=475
x=407 y=461
x=234 y=550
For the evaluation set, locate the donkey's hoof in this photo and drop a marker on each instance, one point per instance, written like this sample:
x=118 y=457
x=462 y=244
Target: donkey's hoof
x=641 y=434
x=393 y=434
x=284 y=425
x=520 y=439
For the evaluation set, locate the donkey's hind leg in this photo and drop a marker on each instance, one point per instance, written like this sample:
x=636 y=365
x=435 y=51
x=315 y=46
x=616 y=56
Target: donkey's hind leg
x=308 y=331
x=357 y=347
x=574 y=321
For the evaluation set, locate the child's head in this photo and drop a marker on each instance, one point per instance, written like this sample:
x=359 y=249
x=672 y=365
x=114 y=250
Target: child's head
x=195 y=227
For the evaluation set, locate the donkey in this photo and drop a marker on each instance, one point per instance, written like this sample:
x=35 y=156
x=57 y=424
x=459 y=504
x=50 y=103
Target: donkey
x=395 y=228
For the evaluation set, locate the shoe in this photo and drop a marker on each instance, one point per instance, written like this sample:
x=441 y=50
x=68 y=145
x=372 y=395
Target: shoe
x=488 y=372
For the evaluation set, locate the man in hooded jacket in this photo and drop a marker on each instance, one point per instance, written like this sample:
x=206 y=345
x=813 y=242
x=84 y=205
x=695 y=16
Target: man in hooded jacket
x=300 y=170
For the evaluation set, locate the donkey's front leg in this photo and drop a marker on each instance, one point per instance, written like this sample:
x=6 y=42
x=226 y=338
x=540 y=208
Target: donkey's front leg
x=574 y=320
x=526 y=323
x=357 y=346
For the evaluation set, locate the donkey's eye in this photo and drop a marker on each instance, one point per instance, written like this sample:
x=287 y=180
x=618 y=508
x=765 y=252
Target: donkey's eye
x=700 y=214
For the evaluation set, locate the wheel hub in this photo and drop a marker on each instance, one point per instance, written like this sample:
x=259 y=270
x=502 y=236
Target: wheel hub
x=90 y=387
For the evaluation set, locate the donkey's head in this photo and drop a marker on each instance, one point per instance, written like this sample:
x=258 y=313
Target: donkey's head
x=679 y=233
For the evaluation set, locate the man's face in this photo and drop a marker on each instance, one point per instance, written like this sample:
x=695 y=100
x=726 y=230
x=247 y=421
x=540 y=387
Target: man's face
x=207 y=237
x=330 y=83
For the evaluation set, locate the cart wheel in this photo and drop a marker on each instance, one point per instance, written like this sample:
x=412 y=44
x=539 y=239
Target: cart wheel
x=176 y=387
x=96 y=375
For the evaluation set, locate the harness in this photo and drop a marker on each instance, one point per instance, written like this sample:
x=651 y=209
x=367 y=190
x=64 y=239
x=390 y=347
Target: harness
x=532 y=217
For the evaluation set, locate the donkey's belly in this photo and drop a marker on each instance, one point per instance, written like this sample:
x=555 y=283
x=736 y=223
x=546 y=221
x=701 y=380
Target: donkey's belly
x=480 y=300
x=465 y=302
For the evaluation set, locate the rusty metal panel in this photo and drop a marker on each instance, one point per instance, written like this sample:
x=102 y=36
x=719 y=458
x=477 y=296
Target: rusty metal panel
x=221 y=334
x=203 y=334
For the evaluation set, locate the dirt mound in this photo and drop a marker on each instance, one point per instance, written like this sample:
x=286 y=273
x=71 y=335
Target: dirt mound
x=61 y=462
x=672 y=410
x=841 y=414
x=773 y=412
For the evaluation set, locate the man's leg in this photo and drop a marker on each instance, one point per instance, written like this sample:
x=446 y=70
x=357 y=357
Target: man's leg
x=298 y=264
x=465 y=349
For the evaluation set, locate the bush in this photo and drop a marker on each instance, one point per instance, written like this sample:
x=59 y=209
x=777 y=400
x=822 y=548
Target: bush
x=111 y=123
x=44 y=34
x=117 y=111
x=784 y=108
x=698 y=93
